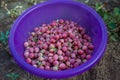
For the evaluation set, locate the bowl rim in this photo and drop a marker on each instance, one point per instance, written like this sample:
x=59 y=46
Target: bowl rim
x=58 y=74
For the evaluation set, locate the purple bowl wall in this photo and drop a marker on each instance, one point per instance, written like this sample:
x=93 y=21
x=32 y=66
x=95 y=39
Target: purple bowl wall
x=45 y=13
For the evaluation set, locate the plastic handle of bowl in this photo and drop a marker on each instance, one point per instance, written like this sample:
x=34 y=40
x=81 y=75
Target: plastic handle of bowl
x=59 y=0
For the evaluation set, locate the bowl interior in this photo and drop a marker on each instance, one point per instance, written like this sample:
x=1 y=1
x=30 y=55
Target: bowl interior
x=49 y=12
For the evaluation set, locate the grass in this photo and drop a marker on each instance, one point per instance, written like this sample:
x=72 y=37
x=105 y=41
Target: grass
x=12 y=76
x=112 y=20
x=4 y=37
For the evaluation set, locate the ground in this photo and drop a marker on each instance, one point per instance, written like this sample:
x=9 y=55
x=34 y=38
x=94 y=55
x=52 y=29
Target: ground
x=107 y=69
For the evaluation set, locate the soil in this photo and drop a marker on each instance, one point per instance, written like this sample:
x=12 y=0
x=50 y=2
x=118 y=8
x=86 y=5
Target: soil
x=107 y=69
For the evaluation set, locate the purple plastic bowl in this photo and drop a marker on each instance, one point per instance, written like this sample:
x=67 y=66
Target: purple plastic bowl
x=52 y=10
